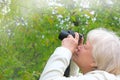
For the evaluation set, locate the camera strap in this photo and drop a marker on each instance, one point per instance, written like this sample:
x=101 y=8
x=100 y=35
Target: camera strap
x=67 y=71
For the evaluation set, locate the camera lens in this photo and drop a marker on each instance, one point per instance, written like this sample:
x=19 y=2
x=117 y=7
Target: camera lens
x=64 y=34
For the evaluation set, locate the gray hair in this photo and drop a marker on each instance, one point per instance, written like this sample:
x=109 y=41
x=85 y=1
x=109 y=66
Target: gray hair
x=106 y=50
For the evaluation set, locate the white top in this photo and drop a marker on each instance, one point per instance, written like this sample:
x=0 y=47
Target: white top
x=59 y=60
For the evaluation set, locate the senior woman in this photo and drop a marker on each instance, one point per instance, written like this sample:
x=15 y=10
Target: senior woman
x=97 y=59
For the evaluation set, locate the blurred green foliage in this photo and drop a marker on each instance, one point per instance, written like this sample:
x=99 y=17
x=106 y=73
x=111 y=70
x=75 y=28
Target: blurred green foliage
x=29 y=31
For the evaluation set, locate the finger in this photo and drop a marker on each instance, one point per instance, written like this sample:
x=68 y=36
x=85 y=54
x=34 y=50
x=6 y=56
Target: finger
x=69 y=36
x=76 y=36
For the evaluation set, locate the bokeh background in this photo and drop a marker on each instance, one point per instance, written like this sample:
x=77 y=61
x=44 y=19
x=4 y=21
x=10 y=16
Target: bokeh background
x=29 y=30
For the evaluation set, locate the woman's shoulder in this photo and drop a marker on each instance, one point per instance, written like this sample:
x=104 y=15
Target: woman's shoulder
x=102 y=75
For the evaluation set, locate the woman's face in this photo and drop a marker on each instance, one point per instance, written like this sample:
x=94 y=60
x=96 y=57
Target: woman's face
x=83 y=57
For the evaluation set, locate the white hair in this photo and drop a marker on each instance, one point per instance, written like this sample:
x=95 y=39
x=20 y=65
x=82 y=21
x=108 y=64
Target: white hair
x=106 y=49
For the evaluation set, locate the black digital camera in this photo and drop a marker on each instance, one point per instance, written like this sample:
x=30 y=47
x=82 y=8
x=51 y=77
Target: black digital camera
x=64 y=34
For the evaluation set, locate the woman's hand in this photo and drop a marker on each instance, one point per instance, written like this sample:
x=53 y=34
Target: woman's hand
x=70 y=42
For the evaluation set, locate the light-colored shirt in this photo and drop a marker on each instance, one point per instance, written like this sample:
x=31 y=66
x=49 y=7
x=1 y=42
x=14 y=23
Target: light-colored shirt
x=58 y=62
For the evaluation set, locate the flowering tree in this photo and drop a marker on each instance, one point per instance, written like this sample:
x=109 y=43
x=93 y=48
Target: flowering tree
x=29 y=30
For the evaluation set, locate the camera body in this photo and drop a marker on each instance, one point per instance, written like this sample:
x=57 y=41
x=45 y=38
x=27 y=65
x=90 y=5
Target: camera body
x=64 y=34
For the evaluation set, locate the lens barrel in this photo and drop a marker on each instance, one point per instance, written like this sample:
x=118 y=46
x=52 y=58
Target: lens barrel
x=64 y=34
